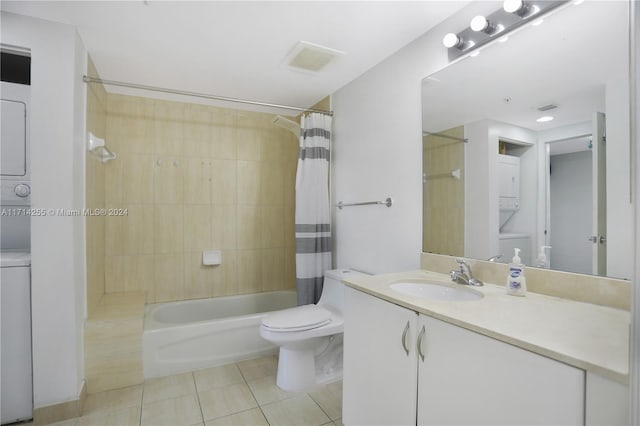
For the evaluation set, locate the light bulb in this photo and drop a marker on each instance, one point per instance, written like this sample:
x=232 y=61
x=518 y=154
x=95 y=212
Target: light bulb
x=451 y=40
x=512 y=6
x=479 y=23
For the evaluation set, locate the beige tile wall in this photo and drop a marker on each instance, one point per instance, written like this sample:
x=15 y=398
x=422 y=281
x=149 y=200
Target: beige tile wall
x=95 y=194
x=193 y=177
x=443 y=197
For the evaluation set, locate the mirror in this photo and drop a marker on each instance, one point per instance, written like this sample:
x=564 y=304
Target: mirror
x=497 y=177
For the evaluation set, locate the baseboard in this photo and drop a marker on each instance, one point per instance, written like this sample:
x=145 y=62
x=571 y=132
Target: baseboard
x=60 y=412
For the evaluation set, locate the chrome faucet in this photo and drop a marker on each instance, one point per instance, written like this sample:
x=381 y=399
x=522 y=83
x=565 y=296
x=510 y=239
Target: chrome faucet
x=464 y=275
x=495 y=258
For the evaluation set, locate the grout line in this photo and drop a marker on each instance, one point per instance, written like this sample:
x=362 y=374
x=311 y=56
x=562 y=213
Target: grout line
x=195 y=386
x=141 y=402
x=252 y=394
x=321 y=409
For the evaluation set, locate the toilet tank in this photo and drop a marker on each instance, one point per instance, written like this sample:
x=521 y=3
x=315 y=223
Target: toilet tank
x=333 y=289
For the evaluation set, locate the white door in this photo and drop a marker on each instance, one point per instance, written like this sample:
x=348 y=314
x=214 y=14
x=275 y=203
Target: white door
x=599 y=234
x=576 y=201
x=380 y=362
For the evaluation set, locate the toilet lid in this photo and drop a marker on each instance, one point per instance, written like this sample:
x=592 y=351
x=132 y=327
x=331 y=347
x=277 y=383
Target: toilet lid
x=301 y=318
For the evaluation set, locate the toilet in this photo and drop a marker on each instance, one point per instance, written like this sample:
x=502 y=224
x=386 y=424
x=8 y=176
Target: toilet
x=310 y=337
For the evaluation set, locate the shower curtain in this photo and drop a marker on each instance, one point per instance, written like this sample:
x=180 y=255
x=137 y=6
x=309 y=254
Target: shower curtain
x=313 y=215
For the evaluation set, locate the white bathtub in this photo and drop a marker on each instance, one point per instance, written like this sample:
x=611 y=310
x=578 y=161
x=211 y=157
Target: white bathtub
x=193 y=334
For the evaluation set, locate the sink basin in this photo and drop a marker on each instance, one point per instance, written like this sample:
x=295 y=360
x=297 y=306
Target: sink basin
x=435 y=291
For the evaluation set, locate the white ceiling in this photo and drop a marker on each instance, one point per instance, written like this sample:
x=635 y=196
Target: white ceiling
x=236 y=48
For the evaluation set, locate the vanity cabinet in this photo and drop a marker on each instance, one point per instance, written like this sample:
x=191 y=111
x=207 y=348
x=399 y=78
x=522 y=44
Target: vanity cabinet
x=464 y=377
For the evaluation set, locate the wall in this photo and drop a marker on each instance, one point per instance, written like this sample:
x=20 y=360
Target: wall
x=635 y=163
x=95 y=193
x=619 y=207
x=57 y=157
x=193 y=178
x=481 y=221
x=377 y=147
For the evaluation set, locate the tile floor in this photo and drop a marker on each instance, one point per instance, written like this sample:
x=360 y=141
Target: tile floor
x=244 y=393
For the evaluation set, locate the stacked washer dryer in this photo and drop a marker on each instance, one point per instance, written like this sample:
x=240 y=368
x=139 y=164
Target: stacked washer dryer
x=16 y=395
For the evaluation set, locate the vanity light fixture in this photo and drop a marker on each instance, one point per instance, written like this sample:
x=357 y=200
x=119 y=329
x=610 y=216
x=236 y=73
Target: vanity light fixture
x=544 y=119
x=486 y=28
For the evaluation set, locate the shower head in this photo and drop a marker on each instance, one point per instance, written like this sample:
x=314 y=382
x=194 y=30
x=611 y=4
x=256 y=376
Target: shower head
x=285 y=123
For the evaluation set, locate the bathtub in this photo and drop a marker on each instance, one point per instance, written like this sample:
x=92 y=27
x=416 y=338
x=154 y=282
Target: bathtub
x=193 y=334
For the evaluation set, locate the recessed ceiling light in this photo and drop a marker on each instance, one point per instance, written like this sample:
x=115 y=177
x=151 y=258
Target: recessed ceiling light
x=474 y=54
x=537 y=22
x=577 y=2
x=544 y=119
x=503 y=39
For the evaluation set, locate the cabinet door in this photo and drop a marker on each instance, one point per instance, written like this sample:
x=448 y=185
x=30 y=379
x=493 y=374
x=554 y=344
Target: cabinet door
x=468 y=378
x=607 y=402
x=380 y=378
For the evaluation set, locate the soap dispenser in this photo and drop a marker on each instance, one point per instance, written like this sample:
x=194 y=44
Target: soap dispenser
x=541 y=262
x=516 y=281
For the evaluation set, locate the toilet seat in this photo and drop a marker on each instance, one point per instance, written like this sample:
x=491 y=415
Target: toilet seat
x=301 y=318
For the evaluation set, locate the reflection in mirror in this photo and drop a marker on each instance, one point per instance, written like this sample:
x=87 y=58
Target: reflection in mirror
x=527 y=146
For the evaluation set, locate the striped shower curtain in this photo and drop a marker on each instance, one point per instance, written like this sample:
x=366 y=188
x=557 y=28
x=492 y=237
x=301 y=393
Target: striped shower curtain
x=313 y=216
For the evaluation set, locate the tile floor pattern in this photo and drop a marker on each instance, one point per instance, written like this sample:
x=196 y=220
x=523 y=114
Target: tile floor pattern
x=240 y=394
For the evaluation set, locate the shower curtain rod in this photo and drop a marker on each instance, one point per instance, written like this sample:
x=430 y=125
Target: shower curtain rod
x=88 y=79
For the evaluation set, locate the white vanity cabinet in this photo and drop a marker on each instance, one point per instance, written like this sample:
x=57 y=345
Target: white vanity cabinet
x=465 y=377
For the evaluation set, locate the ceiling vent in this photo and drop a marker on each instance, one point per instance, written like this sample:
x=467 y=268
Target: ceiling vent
x=310 y=57
x=547 y=107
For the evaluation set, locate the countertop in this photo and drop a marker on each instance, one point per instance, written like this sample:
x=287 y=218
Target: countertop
x=591 y=337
